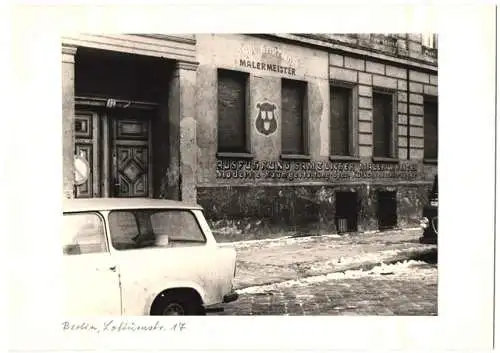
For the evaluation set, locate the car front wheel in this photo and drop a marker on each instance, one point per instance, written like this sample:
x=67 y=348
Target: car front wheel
x=177 y=305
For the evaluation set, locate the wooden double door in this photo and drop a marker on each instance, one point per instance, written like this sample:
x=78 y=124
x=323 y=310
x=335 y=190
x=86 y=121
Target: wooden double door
x=117 y=147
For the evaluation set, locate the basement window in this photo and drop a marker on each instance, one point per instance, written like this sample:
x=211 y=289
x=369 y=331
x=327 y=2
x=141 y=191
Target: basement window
x=346 y=211
x=387 y=210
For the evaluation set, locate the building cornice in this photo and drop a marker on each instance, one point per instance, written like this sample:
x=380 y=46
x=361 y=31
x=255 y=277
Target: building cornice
x=168 y=47
x=186 y=65
x=169 y=37
x=68 y=53
x=351 y=49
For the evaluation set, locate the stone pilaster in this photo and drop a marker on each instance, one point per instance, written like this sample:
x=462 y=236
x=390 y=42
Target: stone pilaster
x=182 y=132
x=68 y=113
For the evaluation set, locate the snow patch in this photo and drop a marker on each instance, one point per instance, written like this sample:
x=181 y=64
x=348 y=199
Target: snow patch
x=274 y=242
x=410 y=268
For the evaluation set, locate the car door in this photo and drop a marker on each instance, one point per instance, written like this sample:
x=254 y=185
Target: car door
x=90 y=275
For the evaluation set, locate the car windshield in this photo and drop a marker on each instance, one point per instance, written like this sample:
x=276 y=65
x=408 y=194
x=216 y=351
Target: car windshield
x=135 y=229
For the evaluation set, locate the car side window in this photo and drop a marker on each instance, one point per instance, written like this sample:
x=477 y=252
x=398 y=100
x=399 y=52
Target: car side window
x=83 y=233
x=179 y=225
x=124 y=230
x=159 y=228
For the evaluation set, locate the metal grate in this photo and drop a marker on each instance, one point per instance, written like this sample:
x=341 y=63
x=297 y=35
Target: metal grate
x=342 y=225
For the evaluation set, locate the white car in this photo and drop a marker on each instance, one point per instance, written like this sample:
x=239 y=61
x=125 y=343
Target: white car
x=142 y=257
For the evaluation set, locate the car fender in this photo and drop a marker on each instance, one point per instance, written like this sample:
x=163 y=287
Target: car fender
x=156 y=290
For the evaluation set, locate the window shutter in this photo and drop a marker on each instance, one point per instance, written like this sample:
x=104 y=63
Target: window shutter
x=382 y=125
x=430 y=130
x=292 y=109
x=232 y=112
x=340 y=101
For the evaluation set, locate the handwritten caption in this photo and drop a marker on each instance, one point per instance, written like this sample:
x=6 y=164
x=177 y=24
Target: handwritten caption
x=115 y=326
x=310 y=170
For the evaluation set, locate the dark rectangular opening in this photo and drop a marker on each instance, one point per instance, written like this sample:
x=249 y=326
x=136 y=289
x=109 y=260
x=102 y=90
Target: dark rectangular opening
x=110 y=74
x=232 y=109
x=293 y=121
x=387 y=210
x=346 y=211
x=382 y=124
x=340 y=121
x=430 y=128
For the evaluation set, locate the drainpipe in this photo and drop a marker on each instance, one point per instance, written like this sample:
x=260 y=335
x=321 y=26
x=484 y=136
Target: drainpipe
x=408 y=113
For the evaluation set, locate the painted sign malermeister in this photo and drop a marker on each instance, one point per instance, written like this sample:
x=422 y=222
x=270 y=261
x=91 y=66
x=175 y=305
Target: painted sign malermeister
x=267 y=67
x=264 y=58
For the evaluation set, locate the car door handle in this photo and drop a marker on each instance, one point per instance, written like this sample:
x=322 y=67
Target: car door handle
x=109 y=268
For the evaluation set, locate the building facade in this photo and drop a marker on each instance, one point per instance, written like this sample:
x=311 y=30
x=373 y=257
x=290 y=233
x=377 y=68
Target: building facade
x=311 y=132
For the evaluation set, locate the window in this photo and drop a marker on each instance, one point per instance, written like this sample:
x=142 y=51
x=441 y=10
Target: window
x=232 y=107
x=383 y=116
x=429 y=40
x=430 y=128
x=340 y=121
x=387 y=214
x=346 y=211
x=137 y=229
x=293 y=122
x=83 y=233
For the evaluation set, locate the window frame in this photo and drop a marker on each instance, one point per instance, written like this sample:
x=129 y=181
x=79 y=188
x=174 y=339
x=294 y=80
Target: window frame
x=353 y=125
x=392 y=158
x=152 y=211
x=248 y=148
x=305 y=153
x=433 y=99
x=429 y=40
x=104 y=228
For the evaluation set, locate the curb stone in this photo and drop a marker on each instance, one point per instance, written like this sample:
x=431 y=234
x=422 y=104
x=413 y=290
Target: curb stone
x=308 y=238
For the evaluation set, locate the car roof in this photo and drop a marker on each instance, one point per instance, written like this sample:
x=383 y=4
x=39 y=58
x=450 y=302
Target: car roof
x=107 y=204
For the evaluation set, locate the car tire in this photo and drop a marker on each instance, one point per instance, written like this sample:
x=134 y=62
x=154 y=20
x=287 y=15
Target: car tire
x=178 y=305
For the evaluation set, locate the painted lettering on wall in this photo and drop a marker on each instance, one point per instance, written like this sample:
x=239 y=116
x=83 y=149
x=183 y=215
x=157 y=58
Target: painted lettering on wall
x=266 y=122
x=248 y=50
x=311 y=170
x=267 y=67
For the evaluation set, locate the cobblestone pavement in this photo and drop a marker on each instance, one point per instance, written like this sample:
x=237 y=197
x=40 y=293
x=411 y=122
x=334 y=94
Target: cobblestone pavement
x=410 y=292
x=276 y=261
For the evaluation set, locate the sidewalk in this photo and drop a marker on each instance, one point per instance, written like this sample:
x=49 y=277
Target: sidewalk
x=277 y=260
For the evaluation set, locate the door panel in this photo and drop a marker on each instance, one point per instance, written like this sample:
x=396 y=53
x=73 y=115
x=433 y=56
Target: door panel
x=90 y=273
x=132 y=171
x=91 y=285
x=86 y=137
x=86 y=151
x=131 y=157
x=117 y=146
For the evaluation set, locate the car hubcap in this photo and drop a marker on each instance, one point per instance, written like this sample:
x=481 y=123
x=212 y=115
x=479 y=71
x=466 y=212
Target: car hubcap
x=435 y=224
x=173 y=309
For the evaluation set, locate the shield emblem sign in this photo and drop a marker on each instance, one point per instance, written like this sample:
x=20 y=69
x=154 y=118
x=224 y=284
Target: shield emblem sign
x=266 y=123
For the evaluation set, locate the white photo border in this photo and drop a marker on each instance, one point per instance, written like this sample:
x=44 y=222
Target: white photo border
x=33 y=177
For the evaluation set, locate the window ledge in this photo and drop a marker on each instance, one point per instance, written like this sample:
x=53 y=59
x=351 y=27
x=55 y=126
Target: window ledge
x=430 y=161
x=302 y=157
x=239 y=155
x=344 y=158
x=385 y=160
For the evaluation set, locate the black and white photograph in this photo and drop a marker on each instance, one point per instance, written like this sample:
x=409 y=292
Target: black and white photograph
x=251 y=174
x=270 y=174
